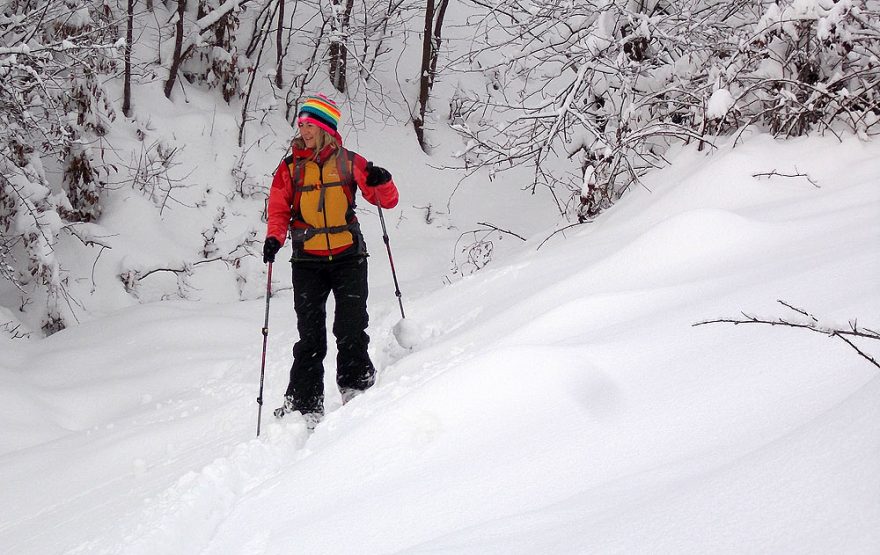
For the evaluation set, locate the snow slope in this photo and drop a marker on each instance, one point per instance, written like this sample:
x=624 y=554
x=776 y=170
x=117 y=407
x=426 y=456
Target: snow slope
x=558 y=401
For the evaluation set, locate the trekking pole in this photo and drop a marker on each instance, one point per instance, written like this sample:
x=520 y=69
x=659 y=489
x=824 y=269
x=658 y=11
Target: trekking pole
x=391 y=261
x=265 y=341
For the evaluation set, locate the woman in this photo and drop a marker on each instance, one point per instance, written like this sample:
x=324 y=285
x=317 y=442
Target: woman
x=313 y=196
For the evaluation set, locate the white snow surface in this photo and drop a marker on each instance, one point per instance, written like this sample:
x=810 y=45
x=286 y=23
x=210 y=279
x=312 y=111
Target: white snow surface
x=719 y=104
x=558 y=401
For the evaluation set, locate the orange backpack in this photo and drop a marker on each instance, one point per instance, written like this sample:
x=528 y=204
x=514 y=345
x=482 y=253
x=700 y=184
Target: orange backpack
x=323 y=219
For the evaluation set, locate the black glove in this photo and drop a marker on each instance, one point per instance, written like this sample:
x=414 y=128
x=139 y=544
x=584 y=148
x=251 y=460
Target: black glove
x=270 y=249
x=376 y=175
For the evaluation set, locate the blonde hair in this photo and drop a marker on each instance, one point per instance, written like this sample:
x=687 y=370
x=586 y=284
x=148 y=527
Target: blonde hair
x=322 y=139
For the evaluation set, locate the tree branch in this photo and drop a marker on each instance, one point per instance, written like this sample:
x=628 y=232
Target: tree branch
x=777 y=174
x=520 y=237
x=812 y=324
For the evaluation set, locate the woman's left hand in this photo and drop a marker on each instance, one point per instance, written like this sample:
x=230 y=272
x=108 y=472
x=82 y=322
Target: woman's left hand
x=376 y=175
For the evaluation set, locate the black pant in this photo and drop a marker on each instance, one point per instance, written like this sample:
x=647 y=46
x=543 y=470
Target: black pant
x=312 y=283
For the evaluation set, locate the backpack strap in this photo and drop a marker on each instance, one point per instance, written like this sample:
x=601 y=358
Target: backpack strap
x=296 y=169
x=301 y=235
x=345 y=167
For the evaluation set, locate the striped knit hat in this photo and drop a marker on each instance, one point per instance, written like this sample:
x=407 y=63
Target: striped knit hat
x=322 y=112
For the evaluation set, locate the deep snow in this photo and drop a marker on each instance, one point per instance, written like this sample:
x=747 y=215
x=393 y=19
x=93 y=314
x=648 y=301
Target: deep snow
x=559 y=400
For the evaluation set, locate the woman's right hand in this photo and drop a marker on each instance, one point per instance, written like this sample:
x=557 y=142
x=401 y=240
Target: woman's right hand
x=270 y=249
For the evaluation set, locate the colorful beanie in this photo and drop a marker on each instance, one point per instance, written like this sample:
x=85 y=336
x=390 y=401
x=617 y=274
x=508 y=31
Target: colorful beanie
x=322 y=112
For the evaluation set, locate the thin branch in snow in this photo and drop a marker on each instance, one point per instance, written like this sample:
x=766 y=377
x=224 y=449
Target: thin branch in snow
x=811 y=324
x=562 y=230
x=498 y=229
x=774 y=173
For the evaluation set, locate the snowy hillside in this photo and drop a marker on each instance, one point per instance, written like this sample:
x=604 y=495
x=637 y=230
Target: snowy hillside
x=560 y=400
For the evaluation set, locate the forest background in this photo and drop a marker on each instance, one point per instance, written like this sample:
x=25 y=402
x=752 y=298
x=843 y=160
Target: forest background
x=570 y=101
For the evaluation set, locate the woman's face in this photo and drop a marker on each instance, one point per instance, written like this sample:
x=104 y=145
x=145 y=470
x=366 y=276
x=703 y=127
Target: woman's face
x=309 y=133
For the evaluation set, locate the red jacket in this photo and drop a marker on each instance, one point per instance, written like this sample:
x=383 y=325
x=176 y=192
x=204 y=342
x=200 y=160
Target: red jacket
x=281 y=195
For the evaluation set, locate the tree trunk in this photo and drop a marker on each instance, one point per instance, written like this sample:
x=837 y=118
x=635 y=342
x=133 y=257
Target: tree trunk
x=430 y=51
x=279 y=47
x=126 y=87
x=338 y=49
x=178 y=50
x=438 y=29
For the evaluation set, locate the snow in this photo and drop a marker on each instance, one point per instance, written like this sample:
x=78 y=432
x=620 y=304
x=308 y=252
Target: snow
x=408 y=333
x=559 y=400
x=589 y=180
x=719 y=104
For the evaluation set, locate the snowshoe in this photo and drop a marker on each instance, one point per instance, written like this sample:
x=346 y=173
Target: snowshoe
x=349 y=393
x=286 y=408
x=311 y=418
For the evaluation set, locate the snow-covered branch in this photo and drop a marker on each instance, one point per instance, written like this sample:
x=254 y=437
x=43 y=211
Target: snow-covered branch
x=63 y=46
x=610 y=86
x=205 y=23
x=809 y=322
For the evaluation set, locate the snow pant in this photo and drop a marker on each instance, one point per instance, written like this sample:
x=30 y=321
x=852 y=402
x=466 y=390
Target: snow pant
x=312 y=283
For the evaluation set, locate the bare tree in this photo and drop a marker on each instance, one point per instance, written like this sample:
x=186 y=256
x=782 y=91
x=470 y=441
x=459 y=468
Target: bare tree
x=279 y=48
x=177 y=57
x=54 y=110
x=260 y=38
x=590 y=95
x=340 y=19
x=431 y=40
x=129 y=36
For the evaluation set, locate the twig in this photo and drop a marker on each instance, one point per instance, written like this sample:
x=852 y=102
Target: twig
x=13 y=331
x=775 y=173
x=184 y=270
x=811 y=325
x=561 y=230
x=498 y=229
